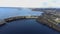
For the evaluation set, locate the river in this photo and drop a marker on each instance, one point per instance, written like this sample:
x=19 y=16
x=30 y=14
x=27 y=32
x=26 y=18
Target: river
x=24 y=26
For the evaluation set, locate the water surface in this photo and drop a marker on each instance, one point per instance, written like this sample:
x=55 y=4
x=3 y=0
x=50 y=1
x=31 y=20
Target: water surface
x=26 y=26
x=12 y=12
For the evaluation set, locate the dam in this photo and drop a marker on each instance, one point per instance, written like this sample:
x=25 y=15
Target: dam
x=16 y=22
x=16 y=18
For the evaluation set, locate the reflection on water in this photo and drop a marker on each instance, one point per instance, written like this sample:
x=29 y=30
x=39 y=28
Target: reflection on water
x=26 y=26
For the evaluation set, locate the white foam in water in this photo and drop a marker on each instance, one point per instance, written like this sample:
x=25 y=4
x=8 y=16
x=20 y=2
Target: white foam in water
x=11 y=12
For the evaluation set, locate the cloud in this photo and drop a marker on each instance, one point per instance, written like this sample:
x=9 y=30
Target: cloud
x=30 y=3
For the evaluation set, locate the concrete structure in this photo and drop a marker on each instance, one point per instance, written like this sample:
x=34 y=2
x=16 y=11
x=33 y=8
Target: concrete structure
x=16 y=18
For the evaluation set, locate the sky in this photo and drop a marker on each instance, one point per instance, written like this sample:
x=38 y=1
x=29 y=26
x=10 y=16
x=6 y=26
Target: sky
x=30 y=3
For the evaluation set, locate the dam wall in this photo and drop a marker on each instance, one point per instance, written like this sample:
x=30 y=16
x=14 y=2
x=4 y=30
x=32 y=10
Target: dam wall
x=16 y=18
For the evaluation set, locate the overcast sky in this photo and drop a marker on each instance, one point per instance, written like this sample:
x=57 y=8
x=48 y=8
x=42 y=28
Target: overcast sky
x=30 y=3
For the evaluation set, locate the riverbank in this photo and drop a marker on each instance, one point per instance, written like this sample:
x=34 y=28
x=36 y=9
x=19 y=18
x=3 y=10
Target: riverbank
x=48 y=20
